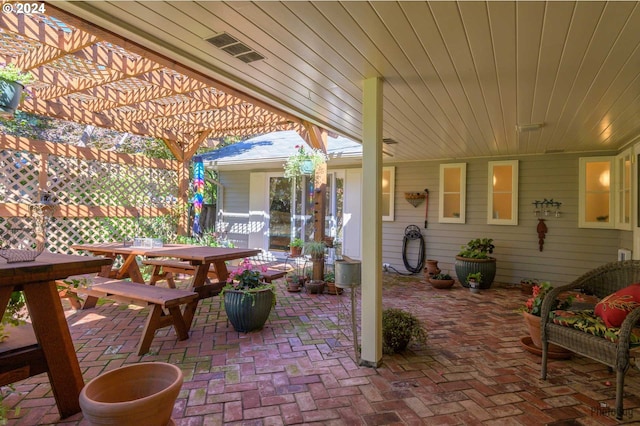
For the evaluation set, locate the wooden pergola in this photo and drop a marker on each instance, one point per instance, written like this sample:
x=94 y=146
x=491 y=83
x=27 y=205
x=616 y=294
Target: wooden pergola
x=89 y=75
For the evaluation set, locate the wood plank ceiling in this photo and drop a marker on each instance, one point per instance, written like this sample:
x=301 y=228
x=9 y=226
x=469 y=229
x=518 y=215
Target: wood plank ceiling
x=458 y=76
x=91 y=76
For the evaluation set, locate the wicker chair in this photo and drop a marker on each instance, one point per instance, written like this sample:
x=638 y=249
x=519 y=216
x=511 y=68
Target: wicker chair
x=600 y=282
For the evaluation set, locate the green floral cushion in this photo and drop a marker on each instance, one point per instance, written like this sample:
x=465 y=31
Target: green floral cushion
x=588 y=322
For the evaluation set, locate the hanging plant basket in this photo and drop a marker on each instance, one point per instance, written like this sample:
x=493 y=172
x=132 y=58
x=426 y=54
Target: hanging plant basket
x=307 y=167
x=303 y=162
x=10 y=95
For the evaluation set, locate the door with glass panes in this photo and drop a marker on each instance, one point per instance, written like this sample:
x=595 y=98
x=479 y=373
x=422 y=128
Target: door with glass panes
x=291 y=209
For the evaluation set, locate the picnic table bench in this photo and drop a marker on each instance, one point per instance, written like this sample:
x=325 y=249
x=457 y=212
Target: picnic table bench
x=165 y=304
x=164 y=269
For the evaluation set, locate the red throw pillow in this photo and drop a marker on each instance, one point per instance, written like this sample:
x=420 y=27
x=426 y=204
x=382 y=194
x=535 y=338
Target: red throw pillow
x=614 y=308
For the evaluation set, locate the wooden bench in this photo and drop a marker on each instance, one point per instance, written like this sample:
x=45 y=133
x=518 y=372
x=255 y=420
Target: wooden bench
x=164 y=304
x=164 y=269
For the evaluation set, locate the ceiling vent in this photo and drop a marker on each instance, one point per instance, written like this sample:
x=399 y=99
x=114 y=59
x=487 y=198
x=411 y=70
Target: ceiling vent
x=235 y=48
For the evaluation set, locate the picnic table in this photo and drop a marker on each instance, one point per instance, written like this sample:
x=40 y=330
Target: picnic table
x=166 y=303
x=48 y=348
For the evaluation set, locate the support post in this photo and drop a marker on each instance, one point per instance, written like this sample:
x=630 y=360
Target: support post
x=372 y=223
x=319 y=207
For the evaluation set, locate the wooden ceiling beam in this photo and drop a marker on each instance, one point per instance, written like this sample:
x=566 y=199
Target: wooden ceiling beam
x=167 y=79
x=249 y=131
x=60 y=85
x=151 y=110
x=110 y=58
x=192 y=147
x=175 y=149
x=315 y=136
x=37 y=57
x=174 y=123
x=32 y=28
x=70 y=113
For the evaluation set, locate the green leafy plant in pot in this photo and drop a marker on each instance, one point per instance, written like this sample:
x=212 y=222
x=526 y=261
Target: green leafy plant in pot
x=475 y=257
x=399 y=328
x=295 y=247
x=303 y=162
x=442 y=280
x=474 y=281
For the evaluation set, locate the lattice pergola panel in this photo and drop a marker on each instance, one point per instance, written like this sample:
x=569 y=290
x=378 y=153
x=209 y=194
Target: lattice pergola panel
x=94 y=183
x=84 y=74
x=17 y=232
x=19 y=171
x=62 y=233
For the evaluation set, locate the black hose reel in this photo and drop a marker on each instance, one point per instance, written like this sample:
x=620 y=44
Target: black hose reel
x=412 y=232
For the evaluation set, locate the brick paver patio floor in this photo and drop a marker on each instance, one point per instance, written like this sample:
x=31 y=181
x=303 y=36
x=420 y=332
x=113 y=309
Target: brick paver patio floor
x=301 y=369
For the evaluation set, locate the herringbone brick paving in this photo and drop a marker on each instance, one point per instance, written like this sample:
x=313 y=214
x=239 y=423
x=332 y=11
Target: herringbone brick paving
x=300 y=369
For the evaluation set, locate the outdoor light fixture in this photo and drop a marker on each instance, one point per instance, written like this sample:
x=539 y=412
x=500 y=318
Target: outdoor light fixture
x=528 y=127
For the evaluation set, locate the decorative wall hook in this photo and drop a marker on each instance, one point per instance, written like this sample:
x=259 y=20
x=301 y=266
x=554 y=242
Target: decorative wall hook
x=546 y=207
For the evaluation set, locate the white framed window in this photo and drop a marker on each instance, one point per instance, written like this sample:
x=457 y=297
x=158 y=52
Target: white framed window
x=595 y=192
x=388 y=193
x=623 y=195
x=452 y=195
x=502 y=205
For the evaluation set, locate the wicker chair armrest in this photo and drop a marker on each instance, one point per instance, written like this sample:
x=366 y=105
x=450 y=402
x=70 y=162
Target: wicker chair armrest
x=624 y=337
x=549 y=299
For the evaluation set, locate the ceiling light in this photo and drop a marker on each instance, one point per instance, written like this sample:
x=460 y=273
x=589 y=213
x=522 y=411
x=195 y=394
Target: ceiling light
x=529 y=127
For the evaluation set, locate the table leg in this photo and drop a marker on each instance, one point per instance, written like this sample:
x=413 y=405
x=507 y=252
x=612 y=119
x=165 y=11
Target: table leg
x=130 y=266
x=52 y=332
x=5 y=295
x=197 y=283
x=221 y=270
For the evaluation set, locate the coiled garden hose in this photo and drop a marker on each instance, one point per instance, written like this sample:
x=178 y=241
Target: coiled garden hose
x=412 y=232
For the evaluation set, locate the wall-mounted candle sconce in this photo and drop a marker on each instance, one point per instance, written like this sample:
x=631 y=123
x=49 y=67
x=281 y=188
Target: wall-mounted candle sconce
x=546 y=208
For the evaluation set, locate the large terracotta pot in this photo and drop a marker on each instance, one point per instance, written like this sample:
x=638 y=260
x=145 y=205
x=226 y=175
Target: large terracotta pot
x=464 y=266
x=533 y=324
x=431 y=269
x=134 y=395
x=248 y=312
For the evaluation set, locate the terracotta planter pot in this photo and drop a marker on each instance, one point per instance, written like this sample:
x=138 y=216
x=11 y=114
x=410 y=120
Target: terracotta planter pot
x=441 y=284
x=295 y=251
x=332 y=289
x=533 y=325
x=134 y=395
x=431 y=269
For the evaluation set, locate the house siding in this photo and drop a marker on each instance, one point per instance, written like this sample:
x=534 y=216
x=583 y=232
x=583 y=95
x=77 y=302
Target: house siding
x=234 y=215
x=568 y=251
